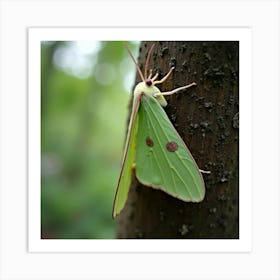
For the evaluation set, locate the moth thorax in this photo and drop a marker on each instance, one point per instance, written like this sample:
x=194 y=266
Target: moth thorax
x=148 y=90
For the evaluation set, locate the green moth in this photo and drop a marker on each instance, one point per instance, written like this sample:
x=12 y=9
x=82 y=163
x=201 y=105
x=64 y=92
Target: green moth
x=154 y=148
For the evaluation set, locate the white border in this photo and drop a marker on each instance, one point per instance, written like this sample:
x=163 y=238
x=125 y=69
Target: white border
x=243 y=35
x=262 y=16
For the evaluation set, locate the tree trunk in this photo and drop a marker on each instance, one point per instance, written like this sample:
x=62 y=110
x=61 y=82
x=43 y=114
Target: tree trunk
x=206 y=117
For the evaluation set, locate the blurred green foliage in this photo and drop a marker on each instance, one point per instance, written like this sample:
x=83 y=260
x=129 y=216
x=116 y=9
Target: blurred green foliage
x=85 y=93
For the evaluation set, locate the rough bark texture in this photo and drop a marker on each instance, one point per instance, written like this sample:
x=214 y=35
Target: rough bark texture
x=206 y=117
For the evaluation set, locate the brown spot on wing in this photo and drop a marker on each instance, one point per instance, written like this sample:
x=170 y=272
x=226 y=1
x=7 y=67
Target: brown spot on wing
x=172 y=146
x=149 y=142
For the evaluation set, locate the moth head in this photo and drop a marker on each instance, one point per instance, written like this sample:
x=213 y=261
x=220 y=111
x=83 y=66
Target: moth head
x=147 y=86
x=149 y=82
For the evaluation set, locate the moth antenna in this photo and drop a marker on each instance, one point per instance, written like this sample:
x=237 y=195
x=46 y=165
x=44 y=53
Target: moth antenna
x=148 y=60
x=135 y=62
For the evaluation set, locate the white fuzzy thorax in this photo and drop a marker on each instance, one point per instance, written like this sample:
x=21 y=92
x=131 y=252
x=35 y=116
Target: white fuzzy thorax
x=150 y=90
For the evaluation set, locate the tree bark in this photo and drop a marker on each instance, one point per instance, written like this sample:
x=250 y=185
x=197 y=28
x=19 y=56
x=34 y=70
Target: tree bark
x=206 y=117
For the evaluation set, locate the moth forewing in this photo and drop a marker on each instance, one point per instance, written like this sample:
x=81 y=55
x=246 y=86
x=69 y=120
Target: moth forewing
x=163 y=161
x=128 y=161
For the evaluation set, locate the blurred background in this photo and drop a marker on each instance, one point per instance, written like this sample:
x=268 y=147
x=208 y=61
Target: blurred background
x=86 y=87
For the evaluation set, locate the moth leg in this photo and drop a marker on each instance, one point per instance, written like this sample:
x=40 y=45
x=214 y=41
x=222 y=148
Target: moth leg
x=151 y=74
x=204 y=171
x=174 y=90
x=165 y=77
x=162 y=101
x=155 y=77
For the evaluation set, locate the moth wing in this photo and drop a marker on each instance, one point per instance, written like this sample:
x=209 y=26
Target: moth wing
x=163 y=161
x=127 y=162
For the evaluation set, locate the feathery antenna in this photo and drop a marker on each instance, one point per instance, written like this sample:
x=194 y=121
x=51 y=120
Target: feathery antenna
x=135 y=62
x=148 y=60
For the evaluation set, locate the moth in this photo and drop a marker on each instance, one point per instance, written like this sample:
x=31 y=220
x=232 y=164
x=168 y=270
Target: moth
x=153 y=147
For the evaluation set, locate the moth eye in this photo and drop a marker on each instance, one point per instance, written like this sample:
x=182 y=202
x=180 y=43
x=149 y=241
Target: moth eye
x=149 y=82
x=172 y=146
x=149 y=142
